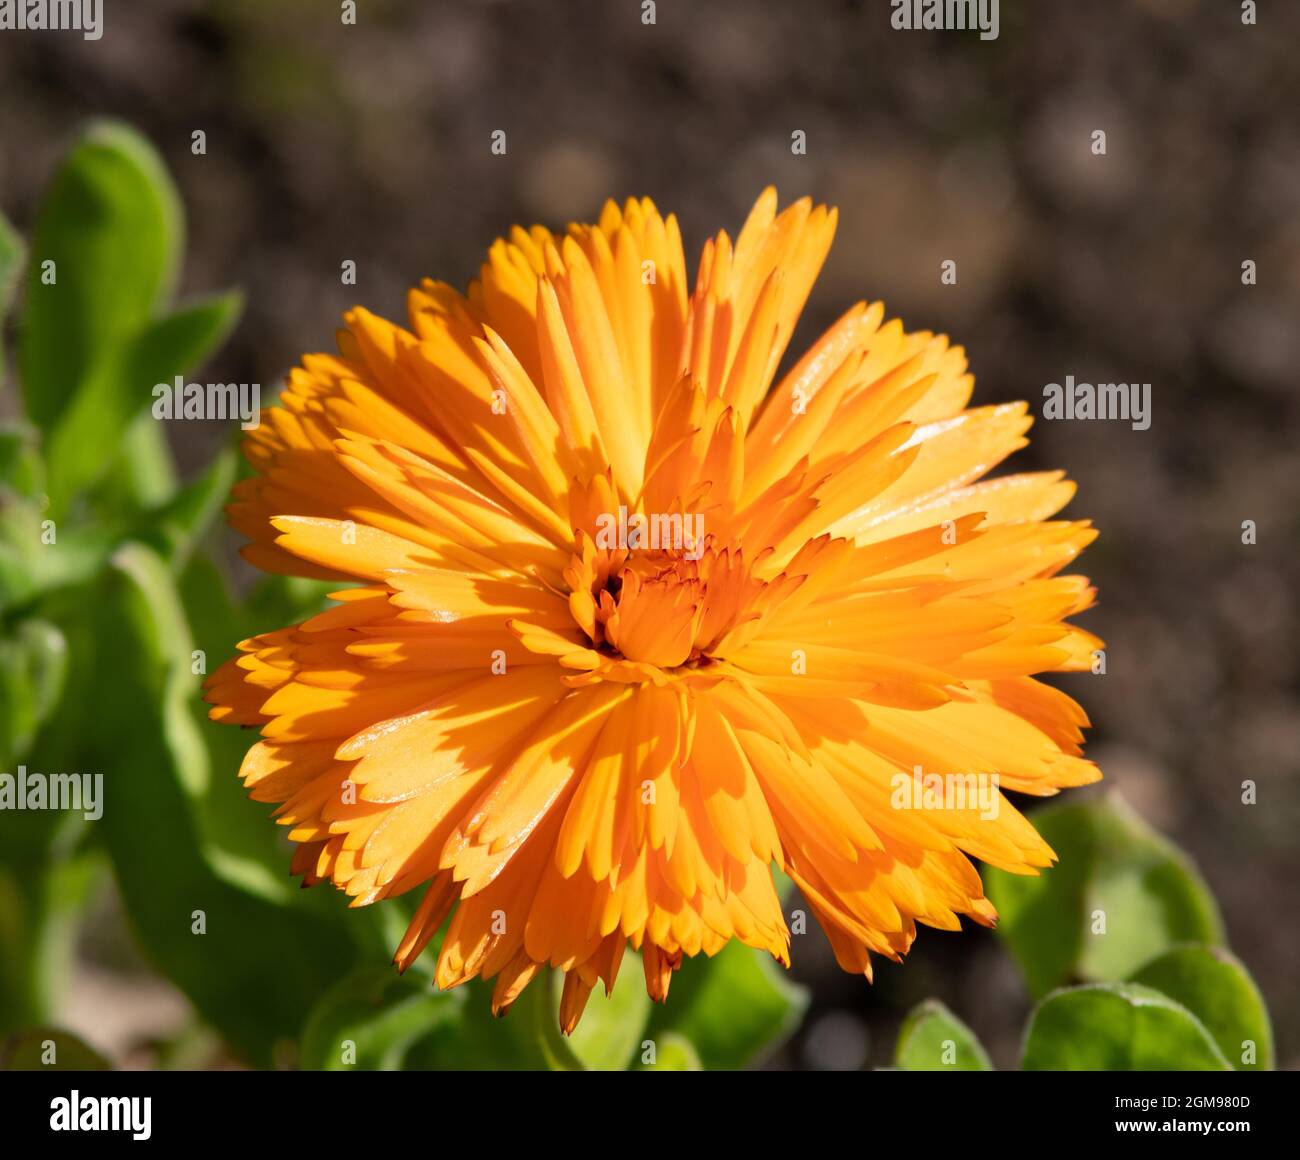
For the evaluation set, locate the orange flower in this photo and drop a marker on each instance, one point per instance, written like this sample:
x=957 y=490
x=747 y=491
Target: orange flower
x=633 y=626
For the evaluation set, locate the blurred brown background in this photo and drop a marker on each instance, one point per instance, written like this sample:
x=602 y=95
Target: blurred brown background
x=371 y=143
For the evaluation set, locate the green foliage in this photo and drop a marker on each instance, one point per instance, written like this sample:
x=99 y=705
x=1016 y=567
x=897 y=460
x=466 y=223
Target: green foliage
x=1119 y=895
x=673 y=1052
x=1211 y=984
x=610 y=1035
x=112 y=227
x=1117 y=1027
x=175 y=527
x=1124 y=908
x=11 y=260
x=95 y=644
x=732 y=1007
x=274 y=961
x=934 y=1039
x=527 y=1038
x=99 y=330
x=371 y=1020
x=22 y=471
x=39 y=921
x=33 y=666
x=86 y=435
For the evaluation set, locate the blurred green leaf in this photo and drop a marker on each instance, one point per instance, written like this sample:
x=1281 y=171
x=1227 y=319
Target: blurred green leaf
x=22 y=471
x=275 y=961
x=537 y=1015
x=238 y=837
x=525 y=1038
x=20 y=548
x=732 y=1007
x=40 y=917
x=142 y=473
x=1219 y=991
x=932 y=1038
x=175 y=528
x=1117 y=1027
x=112 y=225
x=53 y=902
x=33 y=666
x=118 y=388
x=370 y=1020
x=11 y=261
x=38 y=555
x=609 y=1036
x=44 y=1048
x=1112 y=864
x=278 y=601
x=672 y=1052
x=15 y=952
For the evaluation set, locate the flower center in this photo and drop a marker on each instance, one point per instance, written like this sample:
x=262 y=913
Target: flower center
x=666 y=607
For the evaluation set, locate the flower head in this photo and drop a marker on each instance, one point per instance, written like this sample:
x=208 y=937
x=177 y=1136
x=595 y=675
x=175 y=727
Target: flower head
x=629 y=625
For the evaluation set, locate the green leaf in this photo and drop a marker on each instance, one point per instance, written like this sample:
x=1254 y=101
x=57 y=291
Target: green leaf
x=732 y=1007
x=537 y=1012
x=175 y=528
x=1117 y=1027
x=370 y=1020
x=141 y=474
x=932 y=1038
x=610 y=1032
x=238 y=836
x=42 y=912
x=49 y=838
x=22 y=471
x=274 y=961
x=282 y=600
x=37 y=557
x=20 y=548
x=1113 y=869
x=1218 y=990
x=33 y=666
x=11 y=260
x=118 y=388
x=525 y=1038
x=112 y=225
x=673 y=1052
x=45 y=1049
x=41 y=903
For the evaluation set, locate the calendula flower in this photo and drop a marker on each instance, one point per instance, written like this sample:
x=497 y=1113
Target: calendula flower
x=630 y=626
